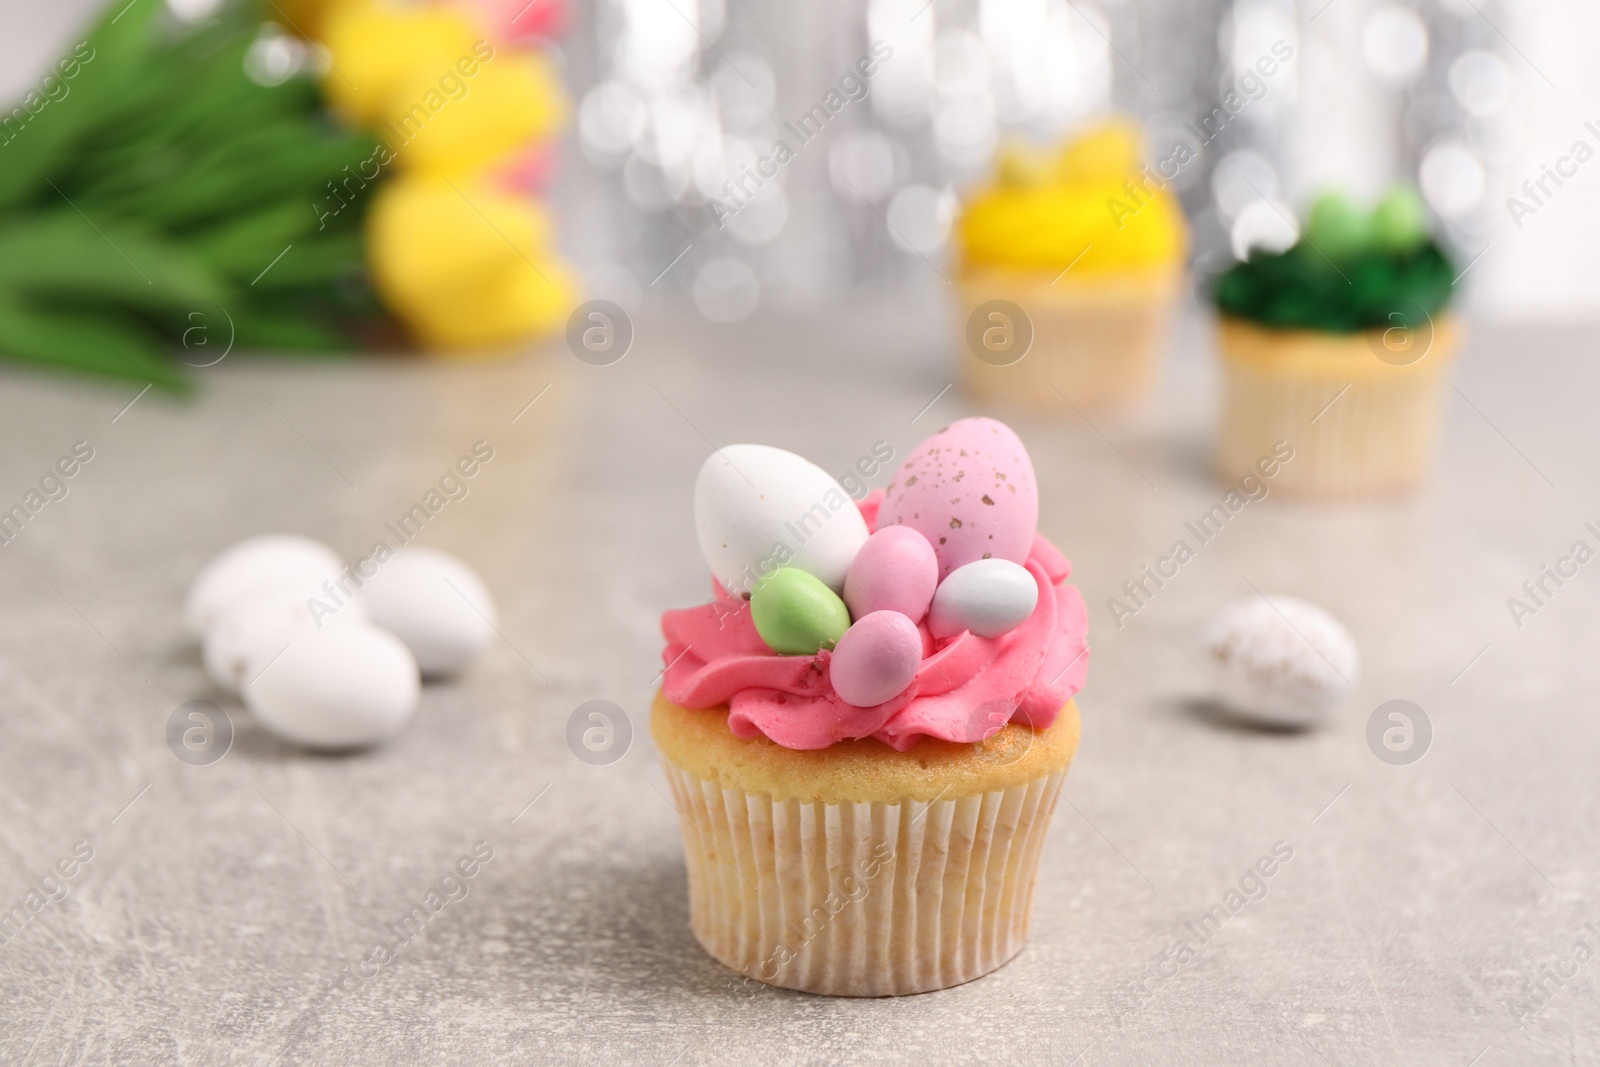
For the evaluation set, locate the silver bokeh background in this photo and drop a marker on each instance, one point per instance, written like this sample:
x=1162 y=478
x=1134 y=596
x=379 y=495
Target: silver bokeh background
x=1461 y=97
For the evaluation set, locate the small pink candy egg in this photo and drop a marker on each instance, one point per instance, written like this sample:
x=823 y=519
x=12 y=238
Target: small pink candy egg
x=896 y=570
x=875 y=659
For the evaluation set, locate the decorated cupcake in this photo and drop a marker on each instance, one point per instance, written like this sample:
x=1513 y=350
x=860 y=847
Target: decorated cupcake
x=1070 y=264
x=1339 y=346
x=866 y=730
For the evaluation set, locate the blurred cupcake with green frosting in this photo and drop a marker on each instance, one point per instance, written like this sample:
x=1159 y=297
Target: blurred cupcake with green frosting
x=1339 y=347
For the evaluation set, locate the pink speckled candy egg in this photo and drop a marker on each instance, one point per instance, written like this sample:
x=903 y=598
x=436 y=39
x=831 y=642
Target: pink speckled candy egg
x=970 y=490
x=875 y=659
x=895 y=570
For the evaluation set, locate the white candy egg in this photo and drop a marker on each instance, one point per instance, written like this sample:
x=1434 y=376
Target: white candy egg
x=247 y=635
x=987 y=596
x=436 y=604
x=254 y=565
x=757 y=508
x=1280 y=660
x=340 y=687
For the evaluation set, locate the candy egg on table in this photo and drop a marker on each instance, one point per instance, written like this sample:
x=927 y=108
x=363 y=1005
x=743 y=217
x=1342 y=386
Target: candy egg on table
x=970 y=490
x=247 y=635
x=255 y=564
x=875 y=659
x=341 y=687
x=1280 y=660
x=758 y=508
x=989 y=597
x=796 y=614
x=434 y=603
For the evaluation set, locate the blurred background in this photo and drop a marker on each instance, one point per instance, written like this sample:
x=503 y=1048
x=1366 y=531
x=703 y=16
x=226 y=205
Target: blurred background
x=1465 y=98
x=669 y=102
x=1458 y=96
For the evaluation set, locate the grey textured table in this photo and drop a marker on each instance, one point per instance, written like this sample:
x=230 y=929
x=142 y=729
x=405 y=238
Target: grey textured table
x=223 y=903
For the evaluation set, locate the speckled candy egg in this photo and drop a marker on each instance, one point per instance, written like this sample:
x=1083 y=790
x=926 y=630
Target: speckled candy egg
x=875 y=659
x=1280 y=660
x=895 y=570
x=970 y=490
x=758 y=508
x=989 y=597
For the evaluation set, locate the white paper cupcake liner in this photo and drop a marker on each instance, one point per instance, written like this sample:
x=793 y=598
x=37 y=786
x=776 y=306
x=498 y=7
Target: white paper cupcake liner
x=862 y=899
x=1361 y=430
x=1095 y=344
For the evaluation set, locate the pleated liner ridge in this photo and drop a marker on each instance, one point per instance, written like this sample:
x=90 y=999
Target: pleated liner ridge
x=1349 y=438
x=1095 y=343
x=862 y=899
x=1357 y=425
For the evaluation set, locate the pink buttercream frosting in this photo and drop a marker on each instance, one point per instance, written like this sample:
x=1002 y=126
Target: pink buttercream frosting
x=966 y=688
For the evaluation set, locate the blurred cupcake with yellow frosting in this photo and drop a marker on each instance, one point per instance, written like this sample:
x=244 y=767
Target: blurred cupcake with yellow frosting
x=1070 y=263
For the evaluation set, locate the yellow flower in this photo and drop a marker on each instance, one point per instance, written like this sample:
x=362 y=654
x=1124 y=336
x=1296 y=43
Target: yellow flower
x=530 y=300
x=308 y=17
x=375 y=51
x=460 y=122
x=463 y=264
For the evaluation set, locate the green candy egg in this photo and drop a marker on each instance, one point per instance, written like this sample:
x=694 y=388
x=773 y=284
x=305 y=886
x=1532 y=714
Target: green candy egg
x=1400 y=221
x=796 y=614
x=1336 y=226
